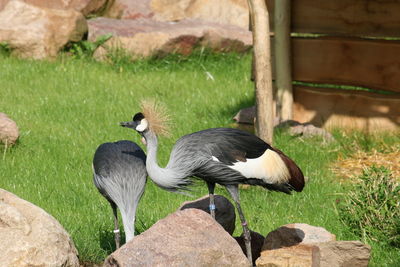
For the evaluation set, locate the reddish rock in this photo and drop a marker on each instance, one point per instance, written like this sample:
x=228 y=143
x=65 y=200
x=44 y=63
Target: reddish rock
x=257 y=241
x=224 y=210
x=31 y=237
x=146 y=37
x=9 y=132
x=188 y=237
x=38 y=33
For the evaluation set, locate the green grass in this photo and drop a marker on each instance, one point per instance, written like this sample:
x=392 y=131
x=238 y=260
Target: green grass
x=65 y=109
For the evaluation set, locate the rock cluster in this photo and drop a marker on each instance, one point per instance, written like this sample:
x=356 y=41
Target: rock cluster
x=187 y=237
x=39 y=29
x=246 y=116
x=303 y=245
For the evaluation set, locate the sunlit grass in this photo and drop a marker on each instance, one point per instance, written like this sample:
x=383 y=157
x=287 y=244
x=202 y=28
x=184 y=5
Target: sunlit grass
x=65 y=109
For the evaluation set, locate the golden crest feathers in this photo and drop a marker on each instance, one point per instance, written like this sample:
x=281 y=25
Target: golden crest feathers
x=157 y=116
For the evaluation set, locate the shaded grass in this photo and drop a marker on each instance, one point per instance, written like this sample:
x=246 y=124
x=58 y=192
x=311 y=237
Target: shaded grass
x=65 y=109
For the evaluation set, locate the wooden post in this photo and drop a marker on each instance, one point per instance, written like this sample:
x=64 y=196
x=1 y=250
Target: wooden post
x=282 y=60
x=262 y=64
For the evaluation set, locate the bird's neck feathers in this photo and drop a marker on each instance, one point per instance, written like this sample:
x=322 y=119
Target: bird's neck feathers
x=166 y=178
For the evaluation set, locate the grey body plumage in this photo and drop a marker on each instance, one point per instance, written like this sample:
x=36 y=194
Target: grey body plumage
x=193 y=154
x=225 y=156
x=119 y=173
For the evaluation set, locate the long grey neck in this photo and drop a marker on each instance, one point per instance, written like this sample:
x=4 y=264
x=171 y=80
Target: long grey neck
x=163 y=177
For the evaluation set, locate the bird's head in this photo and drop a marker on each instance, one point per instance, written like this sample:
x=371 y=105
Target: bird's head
x=153 y=118
x=138 y=123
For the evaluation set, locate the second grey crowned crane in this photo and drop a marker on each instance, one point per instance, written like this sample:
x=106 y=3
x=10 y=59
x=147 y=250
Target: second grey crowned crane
x=119 y=173
x=224 y=156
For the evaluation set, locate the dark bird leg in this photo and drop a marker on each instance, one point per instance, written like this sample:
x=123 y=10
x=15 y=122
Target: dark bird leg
x=234 y=191
x=211 y=187
x=116 y=225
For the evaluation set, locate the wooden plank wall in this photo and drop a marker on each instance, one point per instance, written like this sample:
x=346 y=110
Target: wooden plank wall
x=358 y=44
x=378 y=18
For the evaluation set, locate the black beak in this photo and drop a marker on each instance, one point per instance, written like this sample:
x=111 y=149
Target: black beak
x=128 y=124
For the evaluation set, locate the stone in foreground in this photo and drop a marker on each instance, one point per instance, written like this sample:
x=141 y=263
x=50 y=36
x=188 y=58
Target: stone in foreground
x=303 y=245
x=224 y=210
x=188 y=237
x=292 y=245
x=341 y=254
x=31 y=237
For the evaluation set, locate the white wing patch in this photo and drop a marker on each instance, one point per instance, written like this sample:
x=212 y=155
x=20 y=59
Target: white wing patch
x=269 y=167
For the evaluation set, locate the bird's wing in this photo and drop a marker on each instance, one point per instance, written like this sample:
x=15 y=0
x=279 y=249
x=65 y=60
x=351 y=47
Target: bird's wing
x=255 y=159
x=237 y=146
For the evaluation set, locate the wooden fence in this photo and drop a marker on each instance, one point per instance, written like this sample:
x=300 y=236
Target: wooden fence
x=339 y=44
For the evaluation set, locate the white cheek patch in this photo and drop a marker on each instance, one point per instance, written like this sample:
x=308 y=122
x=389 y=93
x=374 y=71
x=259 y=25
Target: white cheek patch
x=142 y=126
x=269 y=167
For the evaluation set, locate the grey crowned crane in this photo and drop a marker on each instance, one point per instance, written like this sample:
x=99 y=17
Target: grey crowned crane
x=119 y=173
x=224 y=156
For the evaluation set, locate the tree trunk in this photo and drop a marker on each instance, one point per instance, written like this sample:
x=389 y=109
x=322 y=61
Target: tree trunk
x=262 y=64
x=282 y=60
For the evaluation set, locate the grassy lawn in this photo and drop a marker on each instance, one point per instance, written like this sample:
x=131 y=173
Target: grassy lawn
x=65 y=109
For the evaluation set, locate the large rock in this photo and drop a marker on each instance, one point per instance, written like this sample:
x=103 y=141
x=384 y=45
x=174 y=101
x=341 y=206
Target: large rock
x=38 y=33
x=85 y=6
x=224 y=210
x=341 y=254
x=188 y=237
x=31 y=237
x=146 y=37
x=232 y=12
x=292 y=245
x=9 y=132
